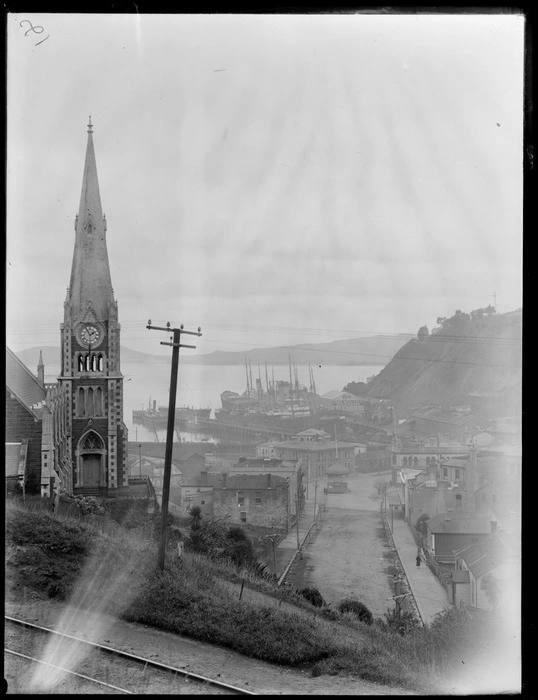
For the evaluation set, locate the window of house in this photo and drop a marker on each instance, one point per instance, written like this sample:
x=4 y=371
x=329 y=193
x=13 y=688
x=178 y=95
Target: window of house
x=458 y=501
x=445 y=473
x=202 y=502
x=243 y=516
x=458 y=474
x=258 y=498
x=241 y=498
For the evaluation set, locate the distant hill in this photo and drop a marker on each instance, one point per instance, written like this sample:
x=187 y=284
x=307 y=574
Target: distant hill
x=52 y=356
x=374 y=350
x=445 y=367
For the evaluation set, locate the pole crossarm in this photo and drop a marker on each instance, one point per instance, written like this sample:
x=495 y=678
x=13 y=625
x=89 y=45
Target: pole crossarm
x=175 y=344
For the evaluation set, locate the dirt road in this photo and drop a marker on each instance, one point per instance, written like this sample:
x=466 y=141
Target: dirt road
x=349 y=556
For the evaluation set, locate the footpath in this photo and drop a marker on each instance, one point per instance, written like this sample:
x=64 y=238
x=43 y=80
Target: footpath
x=287 y=549
x=428 y=592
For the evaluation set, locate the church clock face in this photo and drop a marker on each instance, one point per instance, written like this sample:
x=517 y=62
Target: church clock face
x=90 y=335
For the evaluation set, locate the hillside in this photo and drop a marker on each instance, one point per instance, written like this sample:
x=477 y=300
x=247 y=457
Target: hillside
x=82 y=559
x=375 y=350
x=482 y=355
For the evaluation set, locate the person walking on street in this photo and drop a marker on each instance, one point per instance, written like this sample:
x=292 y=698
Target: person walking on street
x=418 y=559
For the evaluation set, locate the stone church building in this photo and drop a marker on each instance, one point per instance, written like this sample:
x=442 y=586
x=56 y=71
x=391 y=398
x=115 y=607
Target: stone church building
x=78 y=420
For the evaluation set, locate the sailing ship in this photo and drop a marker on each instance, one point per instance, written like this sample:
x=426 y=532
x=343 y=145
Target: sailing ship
x=278 y=403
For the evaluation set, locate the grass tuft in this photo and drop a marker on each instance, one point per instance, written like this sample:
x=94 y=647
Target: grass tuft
x=69 y=558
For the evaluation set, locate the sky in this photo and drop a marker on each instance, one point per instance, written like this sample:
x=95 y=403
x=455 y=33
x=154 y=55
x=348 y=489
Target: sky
x=274 y=179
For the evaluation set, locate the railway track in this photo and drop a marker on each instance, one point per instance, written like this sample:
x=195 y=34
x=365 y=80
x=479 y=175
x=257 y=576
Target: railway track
x=80 y=666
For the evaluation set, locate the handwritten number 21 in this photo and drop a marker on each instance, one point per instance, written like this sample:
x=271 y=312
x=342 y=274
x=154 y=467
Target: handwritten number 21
x=34 y=29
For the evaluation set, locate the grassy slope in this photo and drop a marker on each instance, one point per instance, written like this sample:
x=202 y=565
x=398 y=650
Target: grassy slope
x=445 y=368
x=66 y=558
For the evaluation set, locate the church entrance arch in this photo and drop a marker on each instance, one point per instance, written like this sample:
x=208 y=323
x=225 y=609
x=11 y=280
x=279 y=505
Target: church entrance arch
x=91 y=455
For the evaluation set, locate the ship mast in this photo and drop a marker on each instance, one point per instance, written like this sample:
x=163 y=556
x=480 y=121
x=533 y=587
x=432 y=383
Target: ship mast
x=291 y=388
x=246 y=370
x=267 y=385
x=251 y=382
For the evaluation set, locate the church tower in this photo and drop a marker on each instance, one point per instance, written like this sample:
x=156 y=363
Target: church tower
x=90 y=369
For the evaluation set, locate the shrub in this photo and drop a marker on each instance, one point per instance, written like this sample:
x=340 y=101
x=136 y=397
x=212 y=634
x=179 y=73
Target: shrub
x=357 y=608
x=80 y=504
x=402 y=622
x=330 y=614
x=313 y=596
x=420 y=525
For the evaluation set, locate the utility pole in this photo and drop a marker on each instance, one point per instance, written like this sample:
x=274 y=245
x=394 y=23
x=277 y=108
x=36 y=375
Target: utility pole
x=140 y=459
x=315 y=497
x=271 y=538
x=175 y=344
x=297 y=521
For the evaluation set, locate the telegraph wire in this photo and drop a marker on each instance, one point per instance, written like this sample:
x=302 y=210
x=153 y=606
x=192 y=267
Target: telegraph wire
x=436 y=337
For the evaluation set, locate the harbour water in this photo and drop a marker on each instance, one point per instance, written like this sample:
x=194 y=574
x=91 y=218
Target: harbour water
x=200 y=386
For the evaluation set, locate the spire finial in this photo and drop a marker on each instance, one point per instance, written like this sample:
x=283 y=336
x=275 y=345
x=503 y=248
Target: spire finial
x=90 y=125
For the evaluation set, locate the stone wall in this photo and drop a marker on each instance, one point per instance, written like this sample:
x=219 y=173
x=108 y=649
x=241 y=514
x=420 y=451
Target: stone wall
x=272 y=512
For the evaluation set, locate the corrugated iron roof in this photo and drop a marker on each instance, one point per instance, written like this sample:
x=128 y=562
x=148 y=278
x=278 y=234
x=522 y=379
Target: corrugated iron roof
x=485 y=556
x=22 y=383
x=458 y=523
x=13 y=452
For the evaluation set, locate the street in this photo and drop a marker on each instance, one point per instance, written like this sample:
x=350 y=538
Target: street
x=349 y=556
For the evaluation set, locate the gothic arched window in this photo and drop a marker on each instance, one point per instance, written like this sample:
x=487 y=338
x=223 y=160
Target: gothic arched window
x=81 y=402
x=98 y=401
x=92 y=442
x=90 y=407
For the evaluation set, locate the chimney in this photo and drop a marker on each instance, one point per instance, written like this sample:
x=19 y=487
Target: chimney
x=268 y=481
x=154 y=406
x=224 y=475
x=203 y=478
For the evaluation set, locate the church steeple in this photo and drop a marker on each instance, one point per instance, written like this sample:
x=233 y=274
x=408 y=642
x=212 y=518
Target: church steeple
x=41 y=370
x=90 y=283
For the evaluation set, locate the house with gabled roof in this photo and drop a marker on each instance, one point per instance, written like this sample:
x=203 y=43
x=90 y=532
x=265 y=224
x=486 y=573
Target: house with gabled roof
x=487 y=573
x=342 y=401
x=35 y=427
x=448 y=533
